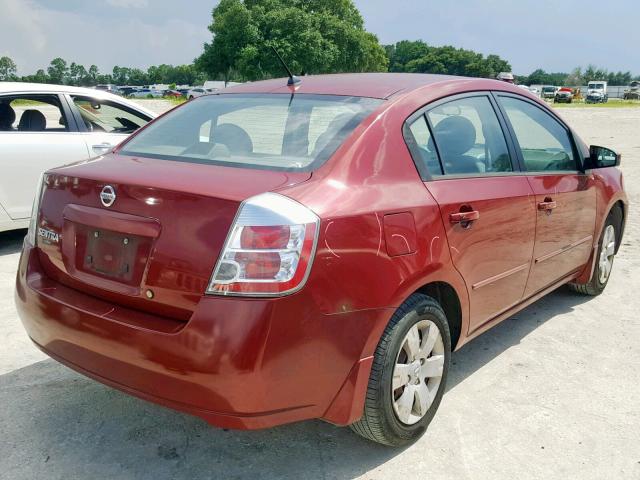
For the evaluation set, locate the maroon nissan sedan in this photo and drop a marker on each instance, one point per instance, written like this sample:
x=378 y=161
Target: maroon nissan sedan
x=274 y=253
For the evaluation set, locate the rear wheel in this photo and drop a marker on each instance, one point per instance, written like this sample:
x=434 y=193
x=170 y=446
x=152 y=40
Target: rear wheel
x=408 y=375
x=604 y=261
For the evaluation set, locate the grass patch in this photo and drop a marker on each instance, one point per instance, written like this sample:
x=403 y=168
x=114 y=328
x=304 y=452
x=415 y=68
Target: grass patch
x=612 y=103
x=171 y=100
x=28 y=103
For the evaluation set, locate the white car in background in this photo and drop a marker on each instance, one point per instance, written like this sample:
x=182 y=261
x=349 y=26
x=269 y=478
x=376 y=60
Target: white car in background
x=145 y=92
x=44 y=126
x=197 y=92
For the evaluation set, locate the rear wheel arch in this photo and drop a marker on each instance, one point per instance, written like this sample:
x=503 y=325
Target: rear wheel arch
x=449 y=300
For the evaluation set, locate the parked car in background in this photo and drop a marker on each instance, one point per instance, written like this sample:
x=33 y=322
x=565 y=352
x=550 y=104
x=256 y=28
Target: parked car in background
x=633 y=92
x=563 y=95
x=145 y=93
x=109 y=87
x=196 y=92
x=321 y=264
x=548 y=92
x=597 y=92
x=535 y=91
x=43 y=126
x=126 y=91
x=172 y=94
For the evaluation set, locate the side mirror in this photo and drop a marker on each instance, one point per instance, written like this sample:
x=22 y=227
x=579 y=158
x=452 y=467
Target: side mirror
x=601 y=157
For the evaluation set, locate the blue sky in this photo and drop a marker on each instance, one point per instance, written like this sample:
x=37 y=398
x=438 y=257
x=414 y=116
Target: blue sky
x=554 y=35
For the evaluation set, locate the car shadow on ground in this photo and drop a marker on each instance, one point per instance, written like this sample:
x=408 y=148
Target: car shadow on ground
x=11 y=242
x=57 y=422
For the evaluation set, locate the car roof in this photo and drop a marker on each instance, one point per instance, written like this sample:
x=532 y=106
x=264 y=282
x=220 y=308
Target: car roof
x=374 y=85
x=26 y=87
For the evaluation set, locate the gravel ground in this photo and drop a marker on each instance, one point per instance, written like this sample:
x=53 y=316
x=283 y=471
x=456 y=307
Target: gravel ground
x=553 y=392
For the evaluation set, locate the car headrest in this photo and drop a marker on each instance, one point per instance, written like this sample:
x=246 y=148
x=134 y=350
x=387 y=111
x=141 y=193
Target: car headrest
x=332 y=129
x=455 y=135
x=236 y=139
x=32 y=121
x=7 y=116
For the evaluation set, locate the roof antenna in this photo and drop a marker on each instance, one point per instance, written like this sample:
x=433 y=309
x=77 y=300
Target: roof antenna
x=292 y=78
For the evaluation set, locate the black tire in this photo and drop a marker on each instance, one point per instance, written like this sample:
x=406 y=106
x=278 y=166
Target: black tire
x=595 y=286
x=379 y=422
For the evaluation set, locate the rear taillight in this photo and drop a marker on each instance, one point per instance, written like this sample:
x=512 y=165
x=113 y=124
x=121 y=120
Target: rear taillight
x=35 y=211
x=269 y=250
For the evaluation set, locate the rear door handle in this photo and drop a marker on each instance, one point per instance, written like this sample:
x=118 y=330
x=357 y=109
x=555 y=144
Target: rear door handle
x=464 y=218
x=547 y=205
x=101 y=147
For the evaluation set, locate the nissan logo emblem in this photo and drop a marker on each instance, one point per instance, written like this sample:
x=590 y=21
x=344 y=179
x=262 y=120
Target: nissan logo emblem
x=107 y=195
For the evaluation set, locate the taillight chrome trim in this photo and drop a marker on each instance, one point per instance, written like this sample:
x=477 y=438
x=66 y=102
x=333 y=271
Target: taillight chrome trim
x=32 y=232
x=300 y=214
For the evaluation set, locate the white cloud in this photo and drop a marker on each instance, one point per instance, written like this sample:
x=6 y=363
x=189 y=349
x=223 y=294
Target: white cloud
x=128 y=3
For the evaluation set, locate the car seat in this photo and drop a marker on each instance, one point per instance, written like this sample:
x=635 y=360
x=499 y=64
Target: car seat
x=32 y=121
x=7 y=117
x=455 y=136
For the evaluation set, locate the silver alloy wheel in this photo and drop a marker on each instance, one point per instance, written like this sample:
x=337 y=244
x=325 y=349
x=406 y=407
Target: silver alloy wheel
x=607 y=251
x=418 y=372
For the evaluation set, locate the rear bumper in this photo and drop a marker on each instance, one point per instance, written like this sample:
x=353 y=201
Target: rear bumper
x=236 y=363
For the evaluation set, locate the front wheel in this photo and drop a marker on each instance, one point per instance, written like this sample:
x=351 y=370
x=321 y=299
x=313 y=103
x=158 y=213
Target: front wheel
x=409 y=373
x=604 y=261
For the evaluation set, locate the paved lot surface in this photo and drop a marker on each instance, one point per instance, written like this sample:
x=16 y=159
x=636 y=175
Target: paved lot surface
x=553 y=392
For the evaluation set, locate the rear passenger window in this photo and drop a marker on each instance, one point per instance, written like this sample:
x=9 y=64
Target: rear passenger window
x=425 y=147
x=544 y=142
x=32 y=113
x=468 y=138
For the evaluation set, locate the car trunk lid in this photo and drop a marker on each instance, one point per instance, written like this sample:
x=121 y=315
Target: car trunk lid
x=155 y=246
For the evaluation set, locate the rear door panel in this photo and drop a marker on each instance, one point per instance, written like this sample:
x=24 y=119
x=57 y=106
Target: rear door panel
x=493 y=254
x=493 y=251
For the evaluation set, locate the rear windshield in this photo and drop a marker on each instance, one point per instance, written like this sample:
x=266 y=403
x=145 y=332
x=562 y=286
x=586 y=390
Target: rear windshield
x=270 y=131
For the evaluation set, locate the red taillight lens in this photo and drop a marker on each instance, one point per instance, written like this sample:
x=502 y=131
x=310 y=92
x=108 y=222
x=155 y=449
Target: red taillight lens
x=269 y=250
x=265 y=237
x=260 y=266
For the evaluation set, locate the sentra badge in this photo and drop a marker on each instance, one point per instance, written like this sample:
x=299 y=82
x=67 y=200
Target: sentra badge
x=48 y=235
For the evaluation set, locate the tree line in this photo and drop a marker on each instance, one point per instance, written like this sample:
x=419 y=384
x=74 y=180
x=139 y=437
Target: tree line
x=61 y=72
x=313 y=36
x=577 y=77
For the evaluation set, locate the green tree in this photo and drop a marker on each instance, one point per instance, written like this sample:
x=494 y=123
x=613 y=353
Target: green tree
x=77 y=74
x=540 y=77
x=575 y=78
x=417 y=56
x=404 y=52
x=58 y=71
x=314 y=36
x=92 y=75
x=8 y=69
x=120 y=75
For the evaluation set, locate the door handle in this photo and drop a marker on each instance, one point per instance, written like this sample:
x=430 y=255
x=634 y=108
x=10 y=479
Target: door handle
x=464 y=218
x=547 y=205
x=101 y=147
